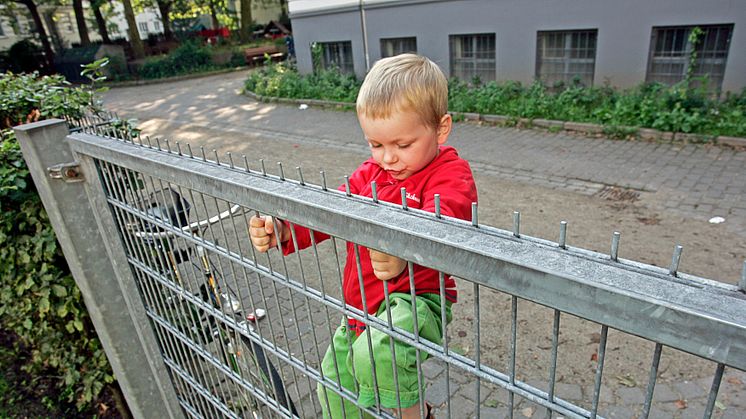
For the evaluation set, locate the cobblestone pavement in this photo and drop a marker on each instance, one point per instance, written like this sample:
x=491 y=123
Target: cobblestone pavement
x=695 y=182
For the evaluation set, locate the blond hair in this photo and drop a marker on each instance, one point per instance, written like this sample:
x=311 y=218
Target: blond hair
x=406 y=82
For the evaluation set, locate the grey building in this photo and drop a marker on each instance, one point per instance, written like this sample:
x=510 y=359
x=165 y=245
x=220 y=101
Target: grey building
x=622 y=43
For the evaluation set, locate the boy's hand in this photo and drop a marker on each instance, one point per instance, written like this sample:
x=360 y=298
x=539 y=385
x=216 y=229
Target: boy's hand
x=263 y=234
x=385 y=266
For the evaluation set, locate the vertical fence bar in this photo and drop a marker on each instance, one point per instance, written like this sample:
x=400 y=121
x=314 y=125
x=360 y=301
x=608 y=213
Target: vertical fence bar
x=116 y=312
x=651 y=381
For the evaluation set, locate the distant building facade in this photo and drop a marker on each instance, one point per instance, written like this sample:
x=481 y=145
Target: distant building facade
x=622 y=43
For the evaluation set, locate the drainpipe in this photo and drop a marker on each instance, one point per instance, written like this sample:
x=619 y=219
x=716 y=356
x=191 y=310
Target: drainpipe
x=365 y=36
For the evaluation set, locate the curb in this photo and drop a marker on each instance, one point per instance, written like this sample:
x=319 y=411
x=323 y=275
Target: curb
x=145 y=82
x=585 y=128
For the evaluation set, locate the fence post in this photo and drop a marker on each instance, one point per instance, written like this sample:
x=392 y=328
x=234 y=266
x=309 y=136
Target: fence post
x=100 y=271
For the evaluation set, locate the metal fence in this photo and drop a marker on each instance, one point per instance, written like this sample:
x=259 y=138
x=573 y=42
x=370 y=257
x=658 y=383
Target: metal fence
x=243 y=334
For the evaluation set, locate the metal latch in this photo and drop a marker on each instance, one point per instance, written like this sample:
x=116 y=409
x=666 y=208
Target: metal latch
x=68 y=172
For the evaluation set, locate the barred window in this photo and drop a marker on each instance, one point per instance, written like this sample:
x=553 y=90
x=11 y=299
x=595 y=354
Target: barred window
x=157 y=26
x=671 y=50
x=396 y=46
x=562 y=56
x=337 y=54
x=473 y=55
x=143 y=27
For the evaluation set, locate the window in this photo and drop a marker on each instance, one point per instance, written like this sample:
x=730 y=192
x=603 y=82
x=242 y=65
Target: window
x=396 y=46
x=2 y=33
x=671 y=50
x=143 y=27
x=157 y=26
x=473 y=56
x=563 y=56
x=337 y=54
x=65 y=22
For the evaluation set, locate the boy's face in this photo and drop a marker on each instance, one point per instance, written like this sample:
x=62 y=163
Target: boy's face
x=401 y=144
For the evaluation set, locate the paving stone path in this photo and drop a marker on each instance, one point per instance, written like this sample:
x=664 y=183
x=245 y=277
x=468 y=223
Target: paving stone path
x=697 y=182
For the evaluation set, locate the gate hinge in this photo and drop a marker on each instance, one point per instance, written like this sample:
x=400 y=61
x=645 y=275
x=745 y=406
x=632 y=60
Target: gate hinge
x=68 y=172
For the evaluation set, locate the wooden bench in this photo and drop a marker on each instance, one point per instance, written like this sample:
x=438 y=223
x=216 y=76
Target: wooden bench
x=256 y=55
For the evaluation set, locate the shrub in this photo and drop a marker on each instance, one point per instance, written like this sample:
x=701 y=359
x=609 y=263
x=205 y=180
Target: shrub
x=187 y=58
x=685 y=107
x=39 y=300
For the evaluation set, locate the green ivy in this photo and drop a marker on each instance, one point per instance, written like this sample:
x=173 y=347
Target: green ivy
x=685 y=107
x=39 y=300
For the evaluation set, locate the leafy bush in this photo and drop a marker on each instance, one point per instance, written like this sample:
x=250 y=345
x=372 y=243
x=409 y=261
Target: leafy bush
x=39 y=300
x=283 y=81
x=187 y=58
x=23 y=56
x=685 y=107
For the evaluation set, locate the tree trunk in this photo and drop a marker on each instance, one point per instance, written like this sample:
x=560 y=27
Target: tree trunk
x=100 y=22
x=46 y=46
x=80 y=20
x=214 y=16
x=245 y=20
x=165 y=9
x=137 y=48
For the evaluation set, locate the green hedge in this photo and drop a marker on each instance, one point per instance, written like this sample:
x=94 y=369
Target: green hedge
x=678 y=108
x=39 y=300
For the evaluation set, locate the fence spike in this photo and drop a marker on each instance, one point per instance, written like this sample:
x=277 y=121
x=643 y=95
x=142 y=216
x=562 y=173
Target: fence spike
x=158 y=143
x=436 y=197
x=323 y=179
x=300 y=175
x=615 y=246
x=264 y=169
x=217 y=158
x=563 y=235
x=202 y=150
x=189 y=148
x=404 y=199
x=474 y=215
x=139 y=139
x=374 y=191
x=516 y=223
x=347 y=186
x=675 y=260
x=168 y=146
x=742 y=283
x=245 y=162
x=230 y=159
x=147 y=138
x=282 y=172
x=178 y=148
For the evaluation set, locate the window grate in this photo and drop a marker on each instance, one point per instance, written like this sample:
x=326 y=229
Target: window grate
x=395 y=46
x=337 y=55
x=473 y=56
x=670 y=52
x=564 y=56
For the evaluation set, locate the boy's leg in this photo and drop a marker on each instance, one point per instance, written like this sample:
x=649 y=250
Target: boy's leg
x=403 y=355
x=332 y=404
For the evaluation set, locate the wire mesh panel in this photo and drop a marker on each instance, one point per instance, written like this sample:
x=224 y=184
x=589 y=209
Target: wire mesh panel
x=538 y=328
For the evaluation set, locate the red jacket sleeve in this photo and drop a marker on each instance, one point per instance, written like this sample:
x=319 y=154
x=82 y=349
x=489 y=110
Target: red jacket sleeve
x=457 y=191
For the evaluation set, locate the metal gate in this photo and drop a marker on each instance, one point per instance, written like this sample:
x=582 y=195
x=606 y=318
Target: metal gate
x=204 y=326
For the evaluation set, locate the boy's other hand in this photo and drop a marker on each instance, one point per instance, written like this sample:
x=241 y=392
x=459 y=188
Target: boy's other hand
x=385 y=266
x=263 y=234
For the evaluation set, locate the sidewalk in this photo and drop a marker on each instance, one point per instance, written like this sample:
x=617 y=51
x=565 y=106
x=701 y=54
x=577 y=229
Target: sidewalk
x=691 y=180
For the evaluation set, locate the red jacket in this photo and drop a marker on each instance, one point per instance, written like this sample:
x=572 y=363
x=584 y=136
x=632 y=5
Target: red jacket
x=447 y=175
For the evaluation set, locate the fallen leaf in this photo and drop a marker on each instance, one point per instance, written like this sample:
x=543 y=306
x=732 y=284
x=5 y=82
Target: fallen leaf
x=527 y=412
x=735 y=381
x=594 y=357
x=720 y=405
x=626 y=381
x=681 y=404
x=491 y=403
x=103 y=407
x=461 y=334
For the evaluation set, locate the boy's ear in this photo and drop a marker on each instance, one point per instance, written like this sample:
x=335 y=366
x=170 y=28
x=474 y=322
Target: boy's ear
x=444 y=129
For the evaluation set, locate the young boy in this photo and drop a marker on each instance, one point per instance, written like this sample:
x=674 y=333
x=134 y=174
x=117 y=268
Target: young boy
x=403 y=112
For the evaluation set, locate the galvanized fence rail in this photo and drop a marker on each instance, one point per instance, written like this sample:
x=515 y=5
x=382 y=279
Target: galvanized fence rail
x=179 y=218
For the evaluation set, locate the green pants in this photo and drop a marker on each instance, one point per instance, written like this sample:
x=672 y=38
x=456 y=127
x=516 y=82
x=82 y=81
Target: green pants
x=354 y=364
